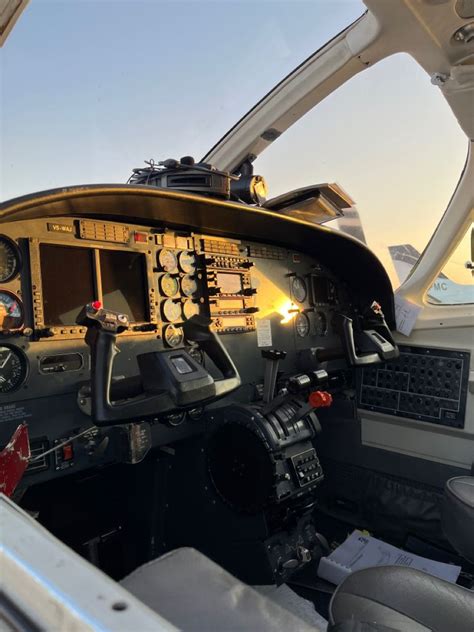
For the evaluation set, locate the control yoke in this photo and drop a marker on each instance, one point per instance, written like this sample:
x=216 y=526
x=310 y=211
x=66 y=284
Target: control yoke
x=169 y=380
x=369 y=343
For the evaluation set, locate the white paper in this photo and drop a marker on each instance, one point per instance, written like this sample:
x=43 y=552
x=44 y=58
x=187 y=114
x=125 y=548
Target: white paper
x=406 y=314
x=264 y=333
x=362 y=551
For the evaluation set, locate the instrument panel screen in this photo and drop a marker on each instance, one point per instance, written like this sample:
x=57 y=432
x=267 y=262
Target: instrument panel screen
x=230 y=283
x=324 y=290
x=67 y=279
x=124 y=287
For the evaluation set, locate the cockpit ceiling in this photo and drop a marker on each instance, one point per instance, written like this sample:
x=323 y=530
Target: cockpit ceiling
x=438 y=20
x=429 y=31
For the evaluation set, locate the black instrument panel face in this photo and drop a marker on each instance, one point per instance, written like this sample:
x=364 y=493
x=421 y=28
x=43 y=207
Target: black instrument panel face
x=426 y=384
x=160 y=278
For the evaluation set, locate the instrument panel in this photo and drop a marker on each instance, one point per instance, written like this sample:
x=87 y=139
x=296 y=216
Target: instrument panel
x=256 y=295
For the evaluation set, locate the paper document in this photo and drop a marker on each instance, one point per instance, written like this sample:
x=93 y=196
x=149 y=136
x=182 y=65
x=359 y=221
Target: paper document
x=362 y=551
x=264 y=333
x=406 y=314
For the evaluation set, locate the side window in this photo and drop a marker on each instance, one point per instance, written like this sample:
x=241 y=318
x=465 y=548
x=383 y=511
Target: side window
x=455 y=282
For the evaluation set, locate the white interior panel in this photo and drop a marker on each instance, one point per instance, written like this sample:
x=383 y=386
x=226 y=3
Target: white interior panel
x=408 y=437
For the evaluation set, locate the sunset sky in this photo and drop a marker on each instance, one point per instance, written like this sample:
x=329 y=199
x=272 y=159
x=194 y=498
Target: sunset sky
x=91 y=89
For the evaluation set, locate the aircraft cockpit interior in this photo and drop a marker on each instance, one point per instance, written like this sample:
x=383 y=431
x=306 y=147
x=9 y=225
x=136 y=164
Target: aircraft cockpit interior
x=205 y=390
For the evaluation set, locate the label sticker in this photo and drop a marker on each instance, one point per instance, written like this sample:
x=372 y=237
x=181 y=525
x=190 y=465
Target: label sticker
x=60 y=228
x=264 y=333
x=14 y=412
x=406 y=314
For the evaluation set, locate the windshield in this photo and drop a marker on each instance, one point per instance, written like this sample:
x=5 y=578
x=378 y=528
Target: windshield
x=91 y=89
x=390 y=140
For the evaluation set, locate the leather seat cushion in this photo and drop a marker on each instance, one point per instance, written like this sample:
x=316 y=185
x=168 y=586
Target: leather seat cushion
x=458 y=514
x=403 y=598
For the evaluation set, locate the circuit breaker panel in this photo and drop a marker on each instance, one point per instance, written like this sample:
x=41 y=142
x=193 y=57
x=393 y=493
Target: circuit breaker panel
x=425 y=384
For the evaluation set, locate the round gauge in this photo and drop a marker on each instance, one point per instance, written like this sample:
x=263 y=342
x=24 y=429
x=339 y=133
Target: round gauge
x=169 y=285
x=167 y=260
x=302 y=325
x=13 y=368
x=190 y=308
x=9 y=259
x=172 y=310
x=187 y=261
x=173 y=336
x=175 y=419
x=196 y=413
x=321 y=325
x=188 y=285
x=298 y=289
x=11 y=311
x=196 y=354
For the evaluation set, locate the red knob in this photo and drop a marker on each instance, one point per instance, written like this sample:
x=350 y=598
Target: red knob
x=96 y=305
x=320 y=399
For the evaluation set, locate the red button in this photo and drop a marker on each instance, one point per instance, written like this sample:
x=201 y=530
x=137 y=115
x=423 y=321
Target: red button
x=96 y=305
x=68 y=452
x=320 y=399
x=141 y=238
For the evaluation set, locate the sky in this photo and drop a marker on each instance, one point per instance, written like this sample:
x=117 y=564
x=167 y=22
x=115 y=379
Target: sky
x=91 y=89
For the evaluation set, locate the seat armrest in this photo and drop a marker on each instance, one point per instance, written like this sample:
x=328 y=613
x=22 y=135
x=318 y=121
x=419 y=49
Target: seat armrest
x=457 y=515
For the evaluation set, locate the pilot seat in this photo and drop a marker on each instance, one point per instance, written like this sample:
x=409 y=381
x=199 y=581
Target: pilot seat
x=195 y=593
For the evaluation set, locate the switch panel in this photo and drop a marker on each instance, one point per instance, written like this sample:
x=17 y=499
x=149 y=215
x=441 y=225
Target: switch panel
x=307 y=467
x=425 y=384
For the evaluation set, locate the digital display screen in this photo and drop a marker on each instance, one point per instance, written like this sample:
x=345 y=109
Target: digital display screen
x=230 y=283
x=234 y=321
x=124 y=286
x=228 y=303
x=320 y=289
x=67 y=279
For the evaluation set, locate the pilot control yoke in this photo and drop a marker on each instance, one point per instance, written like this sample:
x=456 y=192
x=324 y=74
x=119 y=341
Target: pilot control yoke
x=169 y=380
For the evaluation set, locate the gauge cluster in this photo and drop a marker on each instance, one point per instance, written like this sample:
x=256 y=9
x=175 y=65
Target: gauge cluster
x=180 y=284
x=316 y=296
